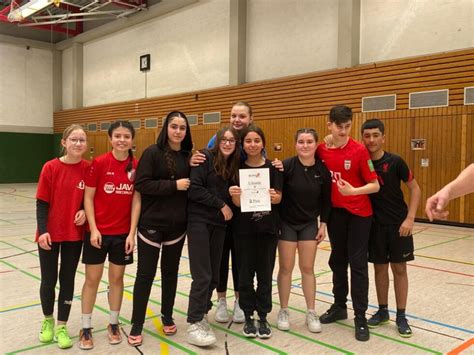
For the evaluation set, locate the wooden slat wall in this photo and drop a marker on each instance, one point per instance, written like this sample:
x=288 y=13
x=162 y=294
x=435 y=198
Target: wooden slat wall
x=283 y=105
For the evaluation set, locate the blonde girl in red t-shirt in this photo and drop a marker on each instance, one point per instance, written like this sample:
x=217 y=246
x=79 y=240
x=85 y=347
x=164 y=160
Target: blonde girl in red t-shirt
x=60 y=217
x=112 y=222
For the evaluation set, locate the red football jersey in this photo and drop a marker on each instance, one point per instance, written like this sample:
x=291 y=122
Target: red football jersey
x=352 y=163
x=113 y=195
x=61 y=185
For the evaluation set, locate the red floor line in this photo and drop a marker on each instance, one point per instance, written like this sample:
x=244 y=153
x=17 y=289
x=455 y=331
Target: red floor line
x=441 y=270
x=461 y=347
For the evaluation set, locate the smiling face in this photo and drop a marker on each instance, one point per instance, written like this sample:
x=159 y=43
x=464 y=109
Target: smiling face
x=176 y=130
x=373 y=140
x=227 y=144
x=240 y=117
x=305 y=145
x=75 y=144
x=253 y=144
x=121 y=139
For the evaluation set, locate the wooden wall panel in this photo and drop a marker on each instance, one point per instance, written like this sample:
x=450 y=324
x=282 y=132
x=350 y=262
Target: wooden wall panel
x=281 y=106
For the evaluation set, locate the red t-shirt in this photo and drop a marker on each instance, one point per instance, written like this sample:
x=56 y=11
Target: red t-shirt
x=113 y=195
x=61 y=185
x=351 y=163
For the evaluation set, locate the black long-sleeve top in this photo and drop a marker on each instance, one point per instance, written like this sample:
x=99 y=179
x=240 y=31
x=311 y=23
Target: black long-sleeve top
x=306 y=193
x=207 y=194
x=163 y=205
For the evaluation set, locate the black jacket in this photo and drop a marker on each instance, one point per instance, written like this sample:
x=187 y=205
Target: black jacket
x=163 y=206
x=207 y=194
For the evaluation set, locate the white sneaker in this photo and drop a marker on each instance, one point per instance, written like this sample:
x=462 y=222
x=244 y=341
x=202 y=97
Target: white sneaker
x=239 y=316
x=222 y=316
x=313 y=323
x=283 y=322
x=198 y=335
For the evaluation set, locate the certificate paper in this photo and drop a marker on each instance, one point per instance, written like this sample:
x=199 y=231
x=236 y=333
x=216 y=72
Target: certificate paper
x=255 y=184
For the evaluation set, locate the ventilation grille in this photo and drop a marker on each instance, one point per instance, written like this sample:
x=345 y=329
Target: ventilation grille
x=435 y=98
x=92 y=127
x=192 y=120
x=104 y=126
x=379 y=103
x=136 y=124
x=151 y=123
x=211 y=117
x=469 y=96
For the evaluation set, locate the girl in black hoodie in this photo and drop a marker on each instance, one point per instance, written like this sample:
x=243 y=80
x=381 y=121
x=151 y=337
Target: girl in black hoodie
x=162 y=180
x=208 y=213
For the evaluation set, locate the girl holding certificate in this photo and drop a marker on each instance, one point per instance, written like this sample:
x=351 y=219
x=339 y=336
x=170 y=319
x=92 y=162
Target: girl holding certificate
x=257 y=234
x=208 y=213
x=304 y=176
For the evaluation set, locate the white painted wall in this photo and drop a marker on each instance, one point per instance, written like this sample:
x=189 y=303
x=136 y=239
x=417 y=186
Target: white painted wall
x=393 y=29
x=67 y=66
x=189 y=51
x=26 y=87
x=287 y=37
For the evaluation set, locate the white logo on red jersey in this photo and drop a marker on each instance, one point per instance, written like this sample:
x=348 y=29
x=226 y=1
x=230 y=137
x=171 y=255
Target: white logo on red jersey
x=347 y=164
x=124 y=189
x=110 y=173
x=81 y=185
x=109 y=187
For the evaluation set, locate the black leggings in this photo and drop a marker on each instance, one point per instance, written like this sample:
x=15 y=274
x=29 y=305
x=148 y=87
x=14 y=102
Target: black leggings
x=229 y=248
x=148 y=256
x=70 y=254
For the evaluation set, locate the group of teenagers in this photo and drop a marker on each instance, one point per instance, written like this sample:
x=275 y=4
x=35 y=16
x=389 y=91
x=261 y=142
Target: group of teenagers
x=110 y=206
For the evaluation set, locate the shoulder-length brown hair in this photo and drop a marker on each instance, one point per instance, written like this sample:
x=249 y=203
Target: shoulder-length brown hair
x=227 y=168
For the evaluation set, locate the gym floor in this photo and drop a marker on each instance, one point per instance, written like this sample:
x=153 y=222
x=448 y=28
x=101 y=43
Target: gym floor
x=440 y=303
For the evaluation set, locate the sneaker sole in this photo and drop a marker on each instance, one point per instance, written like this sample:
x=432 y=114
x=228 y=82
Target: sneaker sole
x=322 y=321
x=264 y=336
x=284 y=328
x=85 y=348
x=45 y=341
x=249 y=335
x=65 y=347
x=238 y=320
x=318 y=330
x=373 y=326
x=203 y=343
x=405 y=335
x=222 y=320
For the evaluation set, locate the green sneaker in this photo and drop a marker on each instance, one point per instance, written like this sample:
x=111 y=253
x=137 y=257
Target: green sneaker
x=47 y=330
x=62 y=337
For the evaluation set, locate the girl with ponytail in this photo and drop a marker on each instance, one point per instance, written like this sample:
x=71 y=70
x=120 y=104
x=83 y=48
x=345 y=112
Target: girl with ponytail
x=112 y=210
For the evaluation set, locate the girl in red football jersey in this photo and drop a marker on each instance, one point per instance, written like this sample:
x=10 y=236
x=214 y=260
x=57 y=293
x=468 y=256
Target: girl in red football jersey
x=112 y=221
x=60 y=217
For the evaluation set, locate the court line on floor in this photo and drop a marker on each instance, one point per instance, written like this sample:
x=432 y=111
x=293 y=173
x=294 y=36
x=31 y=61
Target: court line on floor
x=372 y=332
x=445 y=242
x=268 y=347
x=461 y=347
x=124 y=320
x=441 y=270
x=323 y=293
x=444 y=259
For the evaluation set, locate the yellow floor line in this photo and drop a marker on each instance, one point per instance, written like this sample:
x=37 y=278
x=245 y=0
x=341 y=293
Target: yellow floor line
x=164 y=348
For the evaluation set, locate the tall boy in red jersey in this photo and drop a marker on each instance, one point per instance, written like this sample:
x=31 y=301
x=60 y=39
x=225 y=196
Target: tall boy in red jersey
x=353 y=178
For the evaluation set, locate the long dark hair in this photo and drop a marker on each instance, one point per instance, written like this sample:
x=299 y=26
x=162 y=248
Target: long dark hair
x=227 y=168
x=127 y=125
x=162 y=140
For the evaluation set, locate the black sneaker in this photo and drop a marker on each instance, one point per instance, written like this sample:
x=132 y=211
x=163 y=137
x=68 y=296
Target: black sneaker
x=378 y=318
x=250 y=330
x=403 y=328
x=264 y=329
x=361 y=329
x=334 y=313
